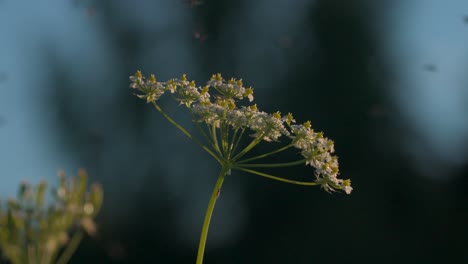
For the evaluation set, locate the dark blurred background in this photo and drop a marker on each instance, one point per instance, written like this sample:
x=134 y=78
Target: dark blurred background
x=386 y=80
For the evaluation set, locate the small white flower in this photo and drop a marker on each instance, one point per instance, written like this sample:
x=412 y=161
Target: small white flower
x=171 y=85
x=302 y=137
x=249 y=94
x=136 y=80
x=240 y=118
x=210 y=114
x=215 y=81
x=270 y=127
x=205 y=95
x=188 y=94
x=231 y=90
x=347 y=189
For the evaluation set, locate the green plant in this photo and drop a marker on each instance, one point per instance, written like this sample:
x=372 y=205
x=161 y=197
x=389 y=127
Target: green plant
x=33 y=230
x=223 y=122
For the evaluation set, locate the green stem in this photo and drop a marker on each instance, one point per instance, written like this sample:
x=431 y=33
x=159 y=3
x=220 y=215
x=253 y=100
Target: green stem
x=207 y=138
x=71 y=248
x=233 y=149
x=248 y=148
x=231 y=142
x=209 y=213
x=225 y=134
x=274 y=165
x=266 y=154
x=226 y=139
x=185 y=132
x=276 y=178
x=215 y=138
x=222 y=133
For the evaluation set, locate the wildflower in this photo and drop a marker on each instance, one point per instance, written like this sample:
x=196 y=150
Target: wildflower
x=188 y=92
x=226 y=120
x=216 y=80
x=243 y=117
x=346 y=186
x=205 y=95
x=151 y=89
x=137 y=79
x=288 y=119
x=268 y=126
x=210 y=114
x=249 y=94
x=302 y=136
x=227 y=114
x=171 y=85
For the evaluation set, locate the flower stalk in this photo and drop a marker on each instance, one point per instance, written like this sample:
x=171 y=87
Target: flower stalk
x=209 y=213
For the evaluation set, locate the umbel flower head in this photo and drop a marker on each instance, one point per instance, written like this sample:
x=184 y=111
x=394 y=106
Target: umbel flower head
x=226 y=109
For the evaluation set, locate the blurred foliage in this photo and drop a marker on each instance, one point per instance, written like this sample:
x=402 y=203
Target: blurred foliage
x=33 y=230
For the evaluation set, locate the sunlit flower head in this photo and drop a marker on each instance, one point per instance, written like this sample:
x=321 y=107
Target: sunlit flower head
x=227 y=105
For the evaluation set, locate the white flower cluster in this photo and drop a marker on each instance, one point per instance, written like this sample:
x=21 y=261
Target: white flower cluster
x=216 y=104
x=317 y=152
